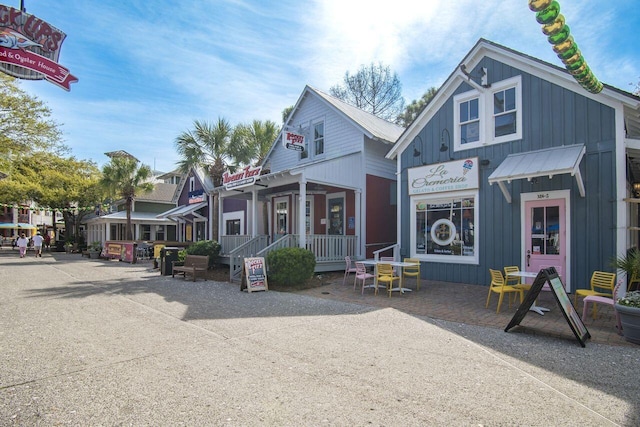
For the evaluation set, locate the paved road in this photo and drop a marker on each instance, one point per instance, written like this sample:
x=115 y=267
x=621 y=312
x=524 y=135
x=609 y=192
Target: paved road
x=87 y=342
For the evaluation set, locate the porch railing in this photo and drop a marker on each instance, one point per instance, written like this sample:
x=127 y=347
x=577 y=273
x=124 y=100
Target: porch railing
x=247 y=249
x=396 y=252
x=229 y=243
x=326 y=249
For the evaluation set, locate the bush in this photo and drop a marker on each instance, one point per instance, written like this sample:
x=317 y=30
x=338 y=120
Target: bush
x=204 y=247
x=288 y=266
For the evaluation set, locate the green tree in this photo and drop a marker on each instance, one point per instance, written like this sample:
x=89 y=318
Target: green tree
x=209 y=146
x=373 y=88
x=26 y=126
x=415 y=107
x=124 y=177
x=286 y=112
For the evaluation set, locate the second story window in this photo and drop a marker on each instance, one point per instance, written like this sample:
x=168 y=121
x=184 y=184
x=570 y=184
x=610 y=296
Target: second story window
x=318 y=138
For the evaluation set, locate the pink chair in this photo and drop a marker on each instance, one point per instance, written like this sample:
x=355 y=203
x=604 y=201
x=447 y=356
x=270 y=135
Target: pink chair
x=361 y=274
x=348 y=270
x=598 y=299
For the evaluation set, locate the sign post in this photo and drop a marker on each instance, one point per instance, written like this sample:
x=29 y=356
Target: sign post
x=550 y=276
x=254 y=276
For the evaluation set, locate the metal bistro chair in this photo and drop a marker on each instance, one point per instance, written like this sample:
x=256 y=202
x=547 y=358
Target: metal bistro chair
x=499 y=286
x=349 y=268
x=386 y=276
x=412 y=271
x=361 y=274
x=596 y=299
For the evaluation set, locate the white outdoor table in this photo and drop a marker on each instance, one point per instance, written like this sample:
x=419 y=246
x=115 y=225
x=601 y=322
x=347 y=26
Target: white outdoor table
x=535 y=308
x=400 y=264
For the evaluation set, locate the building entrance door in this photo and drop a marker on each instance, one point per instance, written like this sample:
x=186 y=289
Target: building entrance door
x=545 y=234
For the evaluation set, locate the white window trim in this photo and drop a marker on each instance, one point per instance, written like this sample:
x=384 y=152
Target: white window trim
x=342 y=195
x=192 y=184
x=450 y=259
x=485 y=113
x=324 y=137
x=275 y=213
x=230 y=216
x=311 y=215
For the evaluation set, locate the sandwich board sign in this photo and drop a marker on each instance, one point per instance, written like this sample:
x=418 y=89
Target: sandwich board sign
x=550 y=276
x=254 y=275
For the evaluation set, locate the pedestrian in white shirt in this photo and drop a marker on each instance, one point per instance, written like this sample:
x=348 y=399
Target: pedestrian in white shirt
x=22 y=245
x=37 y=244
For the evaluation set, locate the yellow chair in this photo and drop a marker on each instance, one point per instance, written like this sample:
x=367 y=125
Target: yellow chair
x=516 y=281
x=601 y=284
x=385 y=276
x=412 y=271
x=499 y=286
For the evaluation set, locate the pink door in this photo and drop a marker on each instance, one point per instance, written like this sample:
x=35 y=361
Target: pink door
x=545 y=235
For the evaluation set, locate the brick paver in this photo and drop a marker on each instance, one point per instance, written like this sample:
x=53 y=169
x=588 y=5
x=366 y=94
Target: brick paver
x=465 y=303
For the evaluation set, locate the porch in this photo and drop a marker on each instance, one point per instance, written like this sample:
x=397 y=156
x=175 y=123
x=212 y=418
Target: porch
x=329 y=250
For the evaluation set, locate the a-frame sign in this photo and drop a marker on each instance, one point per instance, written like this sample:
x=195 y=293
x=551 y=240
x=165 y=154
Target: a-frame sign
x=550 y=276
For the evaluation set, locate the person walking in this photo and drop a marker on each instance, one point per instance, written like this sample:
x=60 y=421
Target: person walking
x=47 y=241
x=37 y=244
x=22 y=243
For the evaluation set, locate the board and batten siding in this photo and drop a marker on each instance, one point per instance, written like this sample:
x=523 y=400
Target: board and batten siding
x=551 y=116
x=341 y=137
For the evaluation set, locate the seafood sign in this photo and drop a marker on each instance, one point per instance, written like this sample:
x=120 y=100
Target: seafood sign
x=29 y=48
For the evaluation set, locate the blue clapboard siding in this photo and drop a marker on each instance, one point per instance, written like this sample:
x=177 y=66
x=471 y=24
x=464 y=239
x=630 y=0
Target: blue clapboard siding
x=552 y=116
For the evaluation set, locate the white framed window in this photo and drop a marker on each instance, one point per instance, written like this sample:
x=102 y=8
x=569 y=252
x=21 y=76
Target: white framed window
x=192 y=184
x=318 y=138
x=233 y=223
x=493 y=116
x=445 y=227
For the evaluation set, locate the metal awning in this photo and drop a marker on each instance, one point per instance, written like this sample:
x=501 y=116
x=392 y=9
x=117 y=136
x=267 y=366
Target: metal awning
x=533 y=164
x=182 y=211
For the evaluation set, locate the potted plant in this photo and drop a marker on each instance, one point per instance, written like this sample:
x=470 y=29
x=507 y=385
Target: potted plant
x=68 y=246
x=94 y=249
x=628 y=308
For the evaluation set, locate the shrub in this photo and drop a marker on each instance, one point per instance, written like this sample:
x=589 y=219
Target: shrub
x=288 y=266
x=204 y=247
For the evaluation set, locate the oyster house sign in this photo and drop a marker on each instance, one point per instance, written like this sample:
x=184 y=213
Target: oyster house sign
x=29 y=48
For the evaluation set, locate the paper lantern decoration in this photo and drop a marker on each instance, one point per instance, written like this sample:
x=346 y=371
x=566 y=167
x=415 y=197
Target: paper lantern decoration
x=558 y=34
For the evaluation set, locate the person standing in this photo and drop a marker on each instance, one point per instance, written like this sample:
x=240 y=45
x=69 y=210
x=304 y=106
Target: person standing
x=47 y=241
x=22 y=243
x=37 y=244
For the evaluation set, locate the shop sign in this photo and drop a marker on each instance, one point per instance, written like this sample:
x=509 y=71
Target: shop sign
x=244 y=178
x=444 y=177
x=293 y=141
x=196 y=196
x=30 y=47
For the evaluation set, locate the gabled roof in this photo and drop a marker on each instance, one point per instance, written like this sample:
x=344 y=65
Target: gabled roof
x=534 y=66
x=162 y=193
x=372 y=126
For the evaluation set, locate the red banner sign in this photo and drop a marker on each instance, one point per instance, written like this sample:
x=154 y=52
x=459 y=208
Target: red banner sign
x=29 y=48
x=245 y=177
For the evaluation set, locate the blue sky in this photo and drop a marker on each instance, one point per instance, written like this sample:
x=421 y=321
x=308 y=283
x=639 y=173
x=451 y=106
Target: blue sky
x=148 y=69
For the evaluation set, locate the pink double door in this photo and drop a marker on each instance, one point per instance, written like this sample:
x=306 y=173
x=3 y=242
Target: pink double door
x=545 y=235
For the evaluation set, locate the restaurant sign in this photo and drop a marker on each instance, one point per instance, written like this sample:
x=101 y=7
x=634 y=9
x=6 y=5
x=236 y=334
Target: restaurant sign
x=293 y=141
x=196 y=196
x=444 y=177
x=243 y=178
x=29 y=48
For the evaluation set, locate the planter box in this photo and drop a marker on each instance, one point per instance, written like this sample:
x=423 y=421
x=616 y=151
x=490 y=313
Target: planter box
x=630 y=319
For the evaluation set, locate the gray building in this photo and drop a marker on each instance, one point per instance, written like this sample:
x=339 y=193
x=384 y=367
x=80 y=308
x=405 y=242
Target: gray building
x=514 y=163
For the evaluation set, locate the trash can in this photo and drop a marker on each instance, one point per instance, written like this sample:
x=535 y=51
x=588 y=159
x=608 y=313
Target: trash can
x=167 y=256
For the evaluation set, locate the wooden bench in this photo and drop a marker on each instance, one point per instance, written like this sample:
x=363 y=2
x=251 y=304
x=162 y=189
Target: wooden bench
x=193 y=265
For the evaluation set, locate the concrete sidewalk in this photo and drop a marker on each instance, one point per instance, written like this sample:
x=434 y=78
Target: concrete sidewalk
x=88 y=342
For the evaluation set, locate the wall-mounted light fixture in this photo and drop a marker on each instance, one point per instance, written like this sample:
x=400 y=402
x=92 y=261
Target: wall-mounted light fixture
x=485 y=162
x=636 y=189
x=445 y=147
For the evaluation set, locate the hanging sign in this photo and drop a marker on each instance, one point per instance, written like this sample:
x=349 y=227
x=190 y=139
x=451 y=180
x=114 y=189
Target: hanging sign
x=244 y=178
x=254 y=276
x=29 y=48
x=293 y=141
x=444 y=177
x=550 y=275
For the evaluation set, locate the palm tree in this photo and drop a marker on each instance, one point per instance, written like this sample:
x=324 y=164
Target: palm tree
x=258 y=137
x=124 y=177
x=209 y=146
